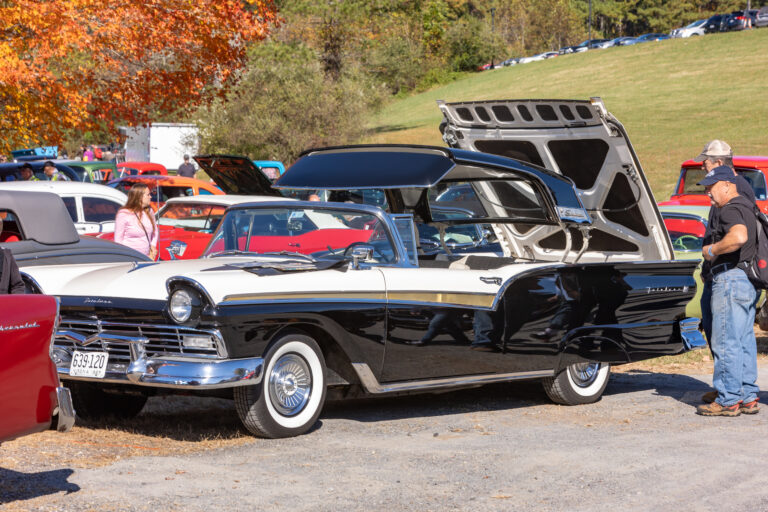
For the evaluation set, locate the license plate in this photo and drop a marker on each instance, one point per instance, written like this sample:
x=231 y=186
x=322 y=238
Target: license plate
x=89 y=364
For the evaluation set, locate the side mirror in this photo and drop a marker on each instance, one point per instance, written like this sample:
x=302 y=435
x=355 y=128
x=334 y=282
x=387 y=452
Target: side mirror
x=359 y=254
x=176 y=248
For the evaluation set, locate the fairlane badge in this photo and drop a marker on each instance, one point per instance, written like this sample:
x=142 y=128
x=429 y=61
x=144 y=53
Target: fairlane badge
x=19 y=327
x=667 y=289
x=97 y=301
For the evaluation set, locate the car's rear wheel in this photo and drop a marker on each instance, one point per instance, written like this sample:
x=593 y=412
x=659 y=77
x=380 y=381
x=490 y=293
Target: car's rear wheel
x=579 y=383
x=291 y=395
x=92 y=402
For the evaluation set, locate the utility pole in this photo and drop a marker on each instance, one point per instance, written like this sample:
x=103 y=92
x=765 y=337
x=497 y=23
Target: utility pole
x=590 y=19
x=493 y=34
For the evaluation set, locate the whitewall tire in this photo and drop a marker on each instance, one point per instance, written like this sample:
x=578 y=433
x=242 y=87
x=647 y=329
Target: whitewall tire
x=292 y=391
x=579 y=383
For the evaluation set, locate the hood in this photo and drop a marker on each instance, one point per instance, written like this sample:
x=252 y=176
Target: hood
x=236 y=175
x=579 y=140
x=219 y=277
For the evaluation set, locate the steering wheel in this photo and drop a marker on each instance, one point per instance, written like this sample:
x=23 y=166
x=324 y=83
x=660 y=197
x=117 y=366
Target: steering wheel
x=680 y=243
x=348 y=250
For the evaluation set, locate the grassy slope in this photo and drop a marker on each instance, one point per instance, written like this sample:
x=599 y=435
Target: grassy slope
x=671 y=96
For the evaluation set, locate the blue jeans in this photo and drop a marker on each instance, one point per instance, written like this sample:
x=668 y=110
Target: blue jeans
x=733 y=337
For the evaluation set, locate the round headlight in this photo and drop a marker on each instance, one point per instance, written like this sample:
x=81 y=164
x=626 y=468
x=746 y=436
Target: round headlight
x=180 y=305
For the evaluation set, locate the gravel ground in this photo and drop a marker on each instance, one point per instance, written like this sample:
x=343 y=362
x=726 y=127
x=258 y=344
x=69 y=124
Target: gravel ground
x=502 y=447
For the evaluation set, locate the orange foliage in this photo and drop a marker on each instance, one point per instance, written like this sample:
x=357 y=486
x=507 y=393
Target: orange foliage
x=79 y=63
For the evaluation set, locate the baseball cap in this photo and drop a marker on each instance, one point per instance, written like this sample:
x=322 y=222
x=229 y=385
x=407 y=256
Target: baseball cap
x=714 y=148
x=720 y=173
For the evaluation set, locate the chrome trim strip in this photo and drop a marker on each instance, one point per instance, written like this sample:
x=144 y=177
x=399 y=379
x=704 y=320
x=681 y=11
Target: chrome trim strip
x=181 y=373
x=65 y=410
x=191 y=282
x=372 y=385
x=32 y=280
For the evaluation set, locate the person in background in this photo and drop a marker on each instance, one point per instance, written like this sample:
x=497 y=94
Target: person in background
x=10 y=278
x=135 y=223
x=49 y=168
x=27 y=173
x=186 y=169
x=313 y=197
x=3 y=158
x=87 y=154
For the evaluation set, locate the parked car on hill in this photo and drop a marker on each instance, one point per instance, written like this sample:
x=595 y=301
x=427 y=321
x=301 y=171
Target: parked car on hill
x=716 y=23
x=163 y=188
x=33 y=398
x=647 y=38
x=761 y=20
x=92 y=207
x=589 y=44
x=741 y=20
x=38 y=229
x=693 y=29
x=10 y=171
x=687 y=192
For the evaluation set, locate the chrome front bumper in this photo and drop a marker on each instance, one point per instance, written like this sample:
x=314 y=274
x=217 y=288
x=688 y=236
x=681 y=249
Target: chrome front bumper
x=689 y=332
x=179 y=372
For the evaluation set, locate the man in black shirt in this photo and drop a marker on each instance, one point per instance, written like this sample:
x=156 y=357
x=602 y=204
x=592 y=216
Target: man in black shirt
x=716 y=153
x=732 y=303
x=186 y=169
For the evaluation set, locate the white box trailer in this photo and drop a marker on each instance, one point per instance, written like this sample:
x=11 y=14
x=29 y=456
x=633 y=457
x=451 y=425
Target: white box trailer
x=162 y=143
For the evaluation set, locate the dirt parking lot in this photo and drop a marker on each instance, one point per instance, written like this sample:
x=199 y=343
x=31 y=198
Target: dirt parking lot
x=501 y=447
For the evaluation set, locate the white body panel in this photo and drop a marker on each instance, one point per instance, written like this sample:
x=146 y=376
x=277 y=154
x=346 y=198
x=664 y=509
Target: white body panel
x=162 y=143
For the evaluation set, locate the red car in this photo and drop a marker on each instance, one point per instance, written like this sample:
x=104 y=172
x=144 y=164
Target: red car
x=753 y=168
x=32 y=397
x=137 y=168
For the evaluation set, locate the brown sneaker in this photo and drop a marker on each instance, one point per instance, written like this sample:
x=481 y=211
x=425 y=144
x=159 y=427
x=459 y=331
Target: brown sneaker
x=715 y=409
x=750 y=407
x=709 y=397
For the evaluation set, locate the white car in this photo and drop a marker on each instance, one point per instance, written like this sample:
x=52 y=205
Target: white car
x=92 y=207
x=694 y=29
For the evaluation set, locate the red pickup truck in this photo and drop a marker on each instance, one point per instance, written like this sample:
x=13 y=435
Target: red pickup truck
x=687 y=192
x=32 y=397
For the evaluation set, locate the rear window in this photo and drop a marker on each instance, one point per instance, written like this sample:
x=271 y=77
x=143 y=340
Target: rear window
x=99 y=210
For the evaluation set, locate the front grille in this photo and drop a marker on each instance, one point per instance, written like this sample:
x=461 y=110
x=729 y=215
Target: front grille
x=164 y=340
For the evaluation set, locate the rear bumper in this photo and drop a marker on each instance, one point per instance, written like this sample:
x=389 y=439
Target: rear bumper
x=65 y=410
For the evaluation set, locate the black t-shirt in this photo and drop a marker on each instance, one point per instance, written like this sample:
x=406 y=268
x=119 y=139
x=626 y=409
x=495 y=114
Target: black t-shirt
x=745 y=190
x=739 y=210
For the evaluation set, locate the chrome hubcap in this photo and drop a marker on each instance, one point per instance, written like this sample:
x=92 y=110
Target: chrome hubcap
x=290 y=384
x=584 y=374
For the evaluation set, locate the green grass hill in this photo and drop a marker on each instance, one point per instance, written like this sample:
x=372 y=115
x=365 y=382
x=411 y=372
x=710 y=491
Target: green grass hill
x=672 y=97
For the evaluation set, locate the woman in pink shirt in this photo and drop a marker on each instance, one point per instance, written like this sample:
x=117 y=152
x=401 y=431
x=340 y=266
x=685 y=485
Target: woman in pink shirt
x=135 y=224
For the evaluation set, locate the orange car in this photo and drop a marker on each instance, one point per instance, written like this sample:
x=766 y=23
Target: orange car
x=163 y=188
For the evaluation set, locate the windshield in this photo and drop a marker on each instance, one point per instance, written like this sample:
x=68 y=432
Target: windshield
x=696 y=24
x=316 y=232
x=692 y=176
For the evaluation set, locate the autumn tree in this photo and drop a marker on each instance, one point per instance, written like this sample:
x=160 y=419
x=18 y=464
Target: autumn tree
x=93 y=63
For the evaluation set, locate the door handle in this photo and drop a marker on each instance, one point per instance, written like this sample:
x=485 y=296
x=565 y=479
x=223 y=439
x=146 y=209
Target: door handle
x=491 y=280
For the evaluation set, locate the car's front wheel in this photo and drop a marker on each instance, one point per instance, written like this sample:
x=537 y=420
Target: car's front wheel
x=291 y=394
x=579 y=383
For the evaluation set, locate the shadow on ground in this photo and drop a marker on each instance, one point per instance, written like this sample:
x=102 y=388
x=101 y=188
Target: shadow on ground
x=15 y=485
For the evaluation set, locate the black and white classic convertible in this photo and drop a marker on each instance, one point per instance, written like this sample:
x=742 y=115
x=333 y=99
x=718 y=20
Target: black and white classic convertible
x=297 y=301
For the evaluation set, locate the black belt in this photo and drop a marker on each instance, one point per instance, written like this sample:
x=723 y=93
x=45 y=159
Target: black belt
x=722 y=267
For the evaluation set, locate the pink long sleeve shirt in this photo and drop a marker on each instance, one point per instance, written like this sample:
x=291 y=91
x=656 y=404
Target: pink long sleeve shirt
x=129 y=232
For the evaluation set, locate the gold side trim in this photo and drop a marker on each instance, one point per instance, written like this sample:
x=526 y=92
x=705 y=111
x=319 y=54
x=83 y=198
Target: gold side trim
x=378 y=296
x=464 y=299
